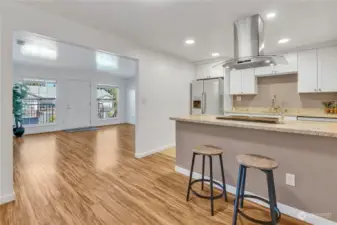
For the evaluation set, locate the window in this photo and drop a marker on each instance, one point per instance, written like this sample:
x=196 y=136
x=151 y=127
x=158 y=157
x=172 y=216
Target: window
x=107 y=101
x=39 y=105
x=106 y=62
x=41 y=48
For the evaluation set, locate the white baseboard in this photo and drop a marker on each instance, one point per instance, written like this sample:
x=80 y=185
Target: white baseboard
x=285 y=209
x=159 y=149
x=7 y=198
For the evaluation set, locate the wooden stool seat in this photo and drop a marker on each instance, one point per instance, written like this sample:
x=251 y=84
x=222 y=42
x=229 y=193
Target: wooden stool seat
x=257 y=161
x=207 y=150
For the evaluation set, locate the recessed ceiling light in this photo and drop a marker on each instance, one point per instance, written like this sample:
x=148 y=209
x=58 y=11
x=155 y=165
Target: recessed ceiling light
x=272 y=64
x=215 y=54
x=283 y=40
x=271 y=15
x=233 y=69
x=190 y=41
x=267 y=61
x=227 y=67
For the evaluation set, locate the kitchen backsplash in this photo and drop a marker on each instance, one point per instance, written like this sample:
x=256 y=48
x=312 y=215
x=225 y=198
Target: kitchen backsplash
x=285 y=89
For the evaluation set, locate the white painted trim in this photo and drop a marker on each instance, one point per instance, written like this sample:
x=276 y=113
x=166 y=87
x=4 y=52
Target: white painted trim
x=159 y=149
x=7 y=198
x=285 y=209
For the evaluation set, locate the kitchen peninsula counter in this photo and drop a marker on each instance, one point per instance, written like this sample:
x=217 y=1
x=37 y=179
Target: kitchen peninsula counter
x=304 y=148
x=325 y=129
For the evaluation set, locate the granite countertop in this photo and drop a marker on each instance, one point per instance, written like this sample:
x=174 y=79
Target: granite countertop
x=325 y=129
x=314 y=113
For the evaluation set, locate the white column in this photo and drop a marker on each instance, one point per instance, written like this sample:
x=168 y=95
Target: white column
x=6 y=130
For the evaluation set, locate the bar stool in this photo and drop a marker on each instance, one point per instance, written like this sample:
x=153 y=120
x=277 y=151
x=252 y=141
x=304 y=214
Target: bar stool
x=208 y=150
x=266 y=165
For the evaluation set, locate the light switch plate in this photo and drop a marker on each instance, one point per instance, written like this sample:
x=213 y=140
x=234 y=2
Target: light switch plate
x=238 y=98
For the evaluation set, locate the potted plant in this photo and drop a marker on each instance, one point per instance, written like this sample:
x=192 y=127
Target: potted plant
x=20 y=92
x=327 y=105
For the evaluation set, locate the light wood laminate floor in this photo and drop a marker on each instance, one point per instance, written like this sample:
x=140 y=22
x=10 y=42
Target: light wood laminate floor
x=93 y=178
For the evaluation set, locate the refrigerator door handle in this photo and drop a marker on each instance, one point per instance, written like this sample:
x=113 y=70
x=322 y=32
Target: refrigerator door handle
x=204 y=102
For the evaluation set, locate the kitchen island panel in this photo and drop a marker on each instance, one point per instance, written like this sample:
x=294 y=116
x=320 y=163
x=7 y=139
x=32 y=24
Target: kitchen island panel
x=313 y=159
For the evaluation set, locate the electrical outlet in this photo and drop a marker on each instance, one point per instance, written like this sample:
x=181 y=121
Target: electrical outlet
x=290 y=179
x=238 y=98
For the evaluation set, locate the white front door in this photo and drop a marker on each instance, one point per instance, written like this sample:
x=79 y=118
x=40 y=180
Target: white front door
x=77 y=104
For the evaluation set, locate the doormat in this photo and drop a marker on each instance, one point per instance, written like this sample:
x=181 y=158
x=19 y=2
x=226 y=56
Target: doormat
x=81 y=129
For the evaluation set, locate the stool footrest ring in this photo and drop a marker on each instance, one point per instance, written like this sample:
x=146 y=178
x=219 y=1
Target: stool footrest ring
x=205 y=196
x=256 y=220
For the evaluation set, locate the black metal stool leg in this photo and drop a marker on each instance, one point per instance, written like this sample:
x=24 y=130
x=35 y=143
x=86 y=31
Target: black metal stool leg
x=203 y=172
x=189 y=183
x=272 y=196
x=237 y=198
x=211 y=184
x=223 y=178
x=243 y=185
x=273 y=187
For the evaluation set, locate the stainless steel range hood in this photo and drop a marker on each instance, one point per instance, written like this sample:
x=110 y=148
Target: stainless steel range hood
x=249 y=45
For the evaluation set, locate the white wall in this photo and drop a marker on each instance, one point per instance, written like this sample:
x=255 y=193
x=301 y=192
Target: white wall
x=62 y=76
x=162 y=83
x=130 y=100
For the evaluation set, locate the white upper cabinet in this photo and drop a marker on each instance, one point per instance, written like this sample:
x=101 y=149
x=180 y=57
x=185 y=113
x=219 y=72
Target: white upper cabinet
x=291 y=67
x=248 y=81
x=317 y=70
x=201 y=71
x=209 y=70
x=307 y=71
x=217 y=70
x=242 y=82
x=264 y=71
x=327 y=69
x=235 y=82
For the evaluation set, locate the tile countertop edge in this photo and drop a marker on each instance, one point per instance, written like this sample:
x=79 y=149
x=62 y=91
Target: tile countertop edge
x=209 y=120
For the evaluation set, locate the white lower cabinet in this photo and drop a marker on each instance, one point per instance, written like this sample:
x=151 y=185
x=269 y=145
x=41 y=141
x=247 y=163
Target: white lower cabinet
x=242 y=82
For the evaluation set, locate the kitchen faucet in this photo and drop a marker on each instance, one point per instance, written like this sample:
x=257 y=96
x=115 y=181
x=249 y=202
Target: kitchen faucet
x=274 y=106
x=277 y=108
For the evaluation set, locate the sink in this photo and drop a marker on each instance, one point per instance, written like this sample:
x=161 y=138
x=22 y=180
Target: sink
x=257 y=119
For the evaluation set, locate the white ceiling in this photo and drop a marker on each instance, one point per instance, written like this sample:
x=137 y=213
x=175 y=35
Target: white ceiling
x=69 y=57
x=164 y=24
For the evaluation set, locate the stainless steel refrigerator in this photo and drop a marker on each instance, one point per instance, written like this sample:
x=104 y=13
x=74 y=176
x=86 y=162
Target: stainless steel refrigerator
x=207 y=97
